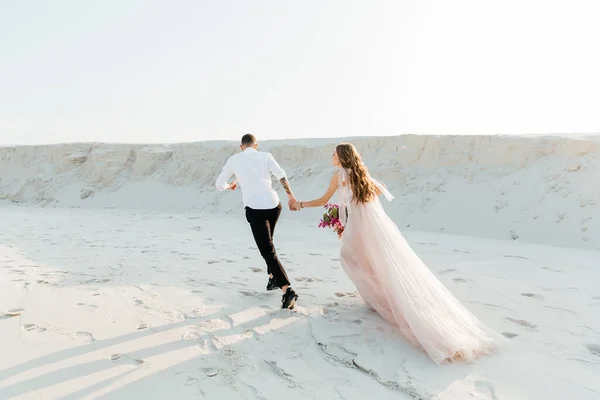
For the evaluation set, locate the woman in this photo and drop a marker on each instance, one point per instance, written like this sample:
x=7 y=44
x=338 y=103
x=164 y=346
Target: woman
x=390 y=277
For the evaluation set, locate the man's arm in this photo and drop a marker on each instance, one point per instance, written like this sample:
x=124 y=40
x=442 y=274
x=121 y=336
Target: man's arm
x=286 y=186
x=224 y=176
x=280 y=174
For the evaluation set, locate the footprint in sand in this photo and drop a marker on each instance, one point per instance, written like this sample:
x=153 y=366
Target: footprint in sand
x=90 y=306
x=594 y=349
x=308 y=279
x=522 y=323
x=256 y=269
x=126 y=358
x=210 y=372
x=459 y=280
x=447 y=271
x=15 y=312
x=510 y=335
x=191 y=336
x=250 y=293
x=533 y=295
x=329 y=312
x=16 y=272
x=485 y=388
x=33 y=328
x=86 y=335
x=91 y=281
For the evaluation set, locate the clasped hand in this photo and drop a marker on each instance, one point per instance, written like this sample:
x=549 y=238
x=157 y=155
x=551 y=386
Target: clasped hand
x=294 y=204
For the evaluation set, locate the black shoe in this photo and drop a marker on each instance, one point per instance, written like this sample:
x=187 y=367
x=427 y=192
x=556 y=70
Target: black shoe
x=272 y=285
x=288 y=300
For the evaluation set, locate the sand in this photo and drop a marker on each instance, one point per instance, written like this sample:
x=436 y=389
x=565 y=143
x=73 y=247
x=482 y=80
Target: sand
x=537 y=189
x=124 y=275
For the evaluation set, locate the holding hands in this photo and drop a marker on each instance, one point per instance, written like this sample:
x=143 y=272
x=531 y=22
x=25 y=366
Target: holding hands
x=294 y=204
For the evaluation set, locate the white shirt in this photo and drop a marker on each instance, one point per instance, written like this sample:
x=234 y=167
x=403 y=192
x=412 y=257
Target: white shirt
x=252 y=170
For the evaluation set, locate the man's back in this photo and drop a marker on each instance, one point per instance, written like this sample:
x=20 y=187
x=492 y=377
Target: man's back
x=252 y=170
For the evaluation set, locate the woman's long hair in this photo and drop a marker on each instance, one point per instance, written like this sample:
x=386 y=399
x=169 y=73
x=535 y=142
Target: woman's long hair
x=362 y=187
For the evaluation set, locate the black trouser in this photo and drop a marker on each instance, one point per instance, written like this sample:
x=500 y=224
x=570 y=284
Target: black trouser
x=263 y=224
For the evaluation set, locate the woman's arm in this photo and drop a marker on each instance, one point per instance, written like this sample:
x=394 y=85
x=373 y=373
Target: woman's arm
x=321 y=201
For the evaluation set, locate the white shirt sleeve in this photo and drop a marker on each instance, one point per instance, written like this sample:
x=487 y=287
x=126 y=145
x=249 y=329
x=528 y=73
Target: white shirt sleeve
x=275 y=168
x=224 y=176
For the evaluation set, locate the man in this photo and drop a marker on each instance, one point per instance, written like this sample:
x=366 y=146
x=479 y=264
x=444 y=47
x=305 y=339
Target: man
x=253 y=169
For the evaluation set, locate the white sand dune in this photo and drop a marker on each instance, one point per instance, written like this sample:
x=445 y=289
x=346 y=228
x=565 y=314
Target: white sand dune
x=540 y=189
x=123 y=275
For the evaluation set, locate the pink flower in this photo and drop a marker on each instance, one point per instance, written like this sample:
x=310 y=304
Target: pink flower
x=331 y=219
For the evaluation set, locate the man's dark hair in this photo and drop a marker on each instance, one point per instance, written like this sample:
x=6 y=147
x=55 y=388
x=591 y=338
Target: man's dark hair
x=248 y=139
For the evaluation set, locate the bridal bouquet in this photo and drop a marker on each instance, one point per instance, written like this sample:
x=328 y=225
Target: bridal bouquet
x=331 y=219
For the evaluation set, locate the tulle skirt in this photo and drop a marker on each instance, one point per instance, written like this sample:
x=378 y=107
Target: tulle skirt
x=394 y=282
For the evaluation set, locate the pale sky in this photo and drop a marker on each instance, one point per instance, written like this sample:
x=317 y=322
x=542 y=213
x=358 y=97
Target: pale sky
x=191 y=70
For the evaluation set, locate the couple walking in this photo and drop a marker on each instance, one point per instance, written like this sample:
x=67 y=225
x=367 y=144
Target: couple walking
x=388 y=274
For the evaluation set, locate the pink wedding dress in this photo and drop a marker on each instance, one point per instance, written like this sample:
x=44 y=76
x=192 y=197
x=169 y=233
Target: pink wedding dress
x=395 y=283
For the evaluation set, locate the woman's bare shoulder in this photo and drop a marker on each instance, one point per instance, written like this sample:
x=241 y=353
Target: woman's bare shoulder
x=337 y=179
